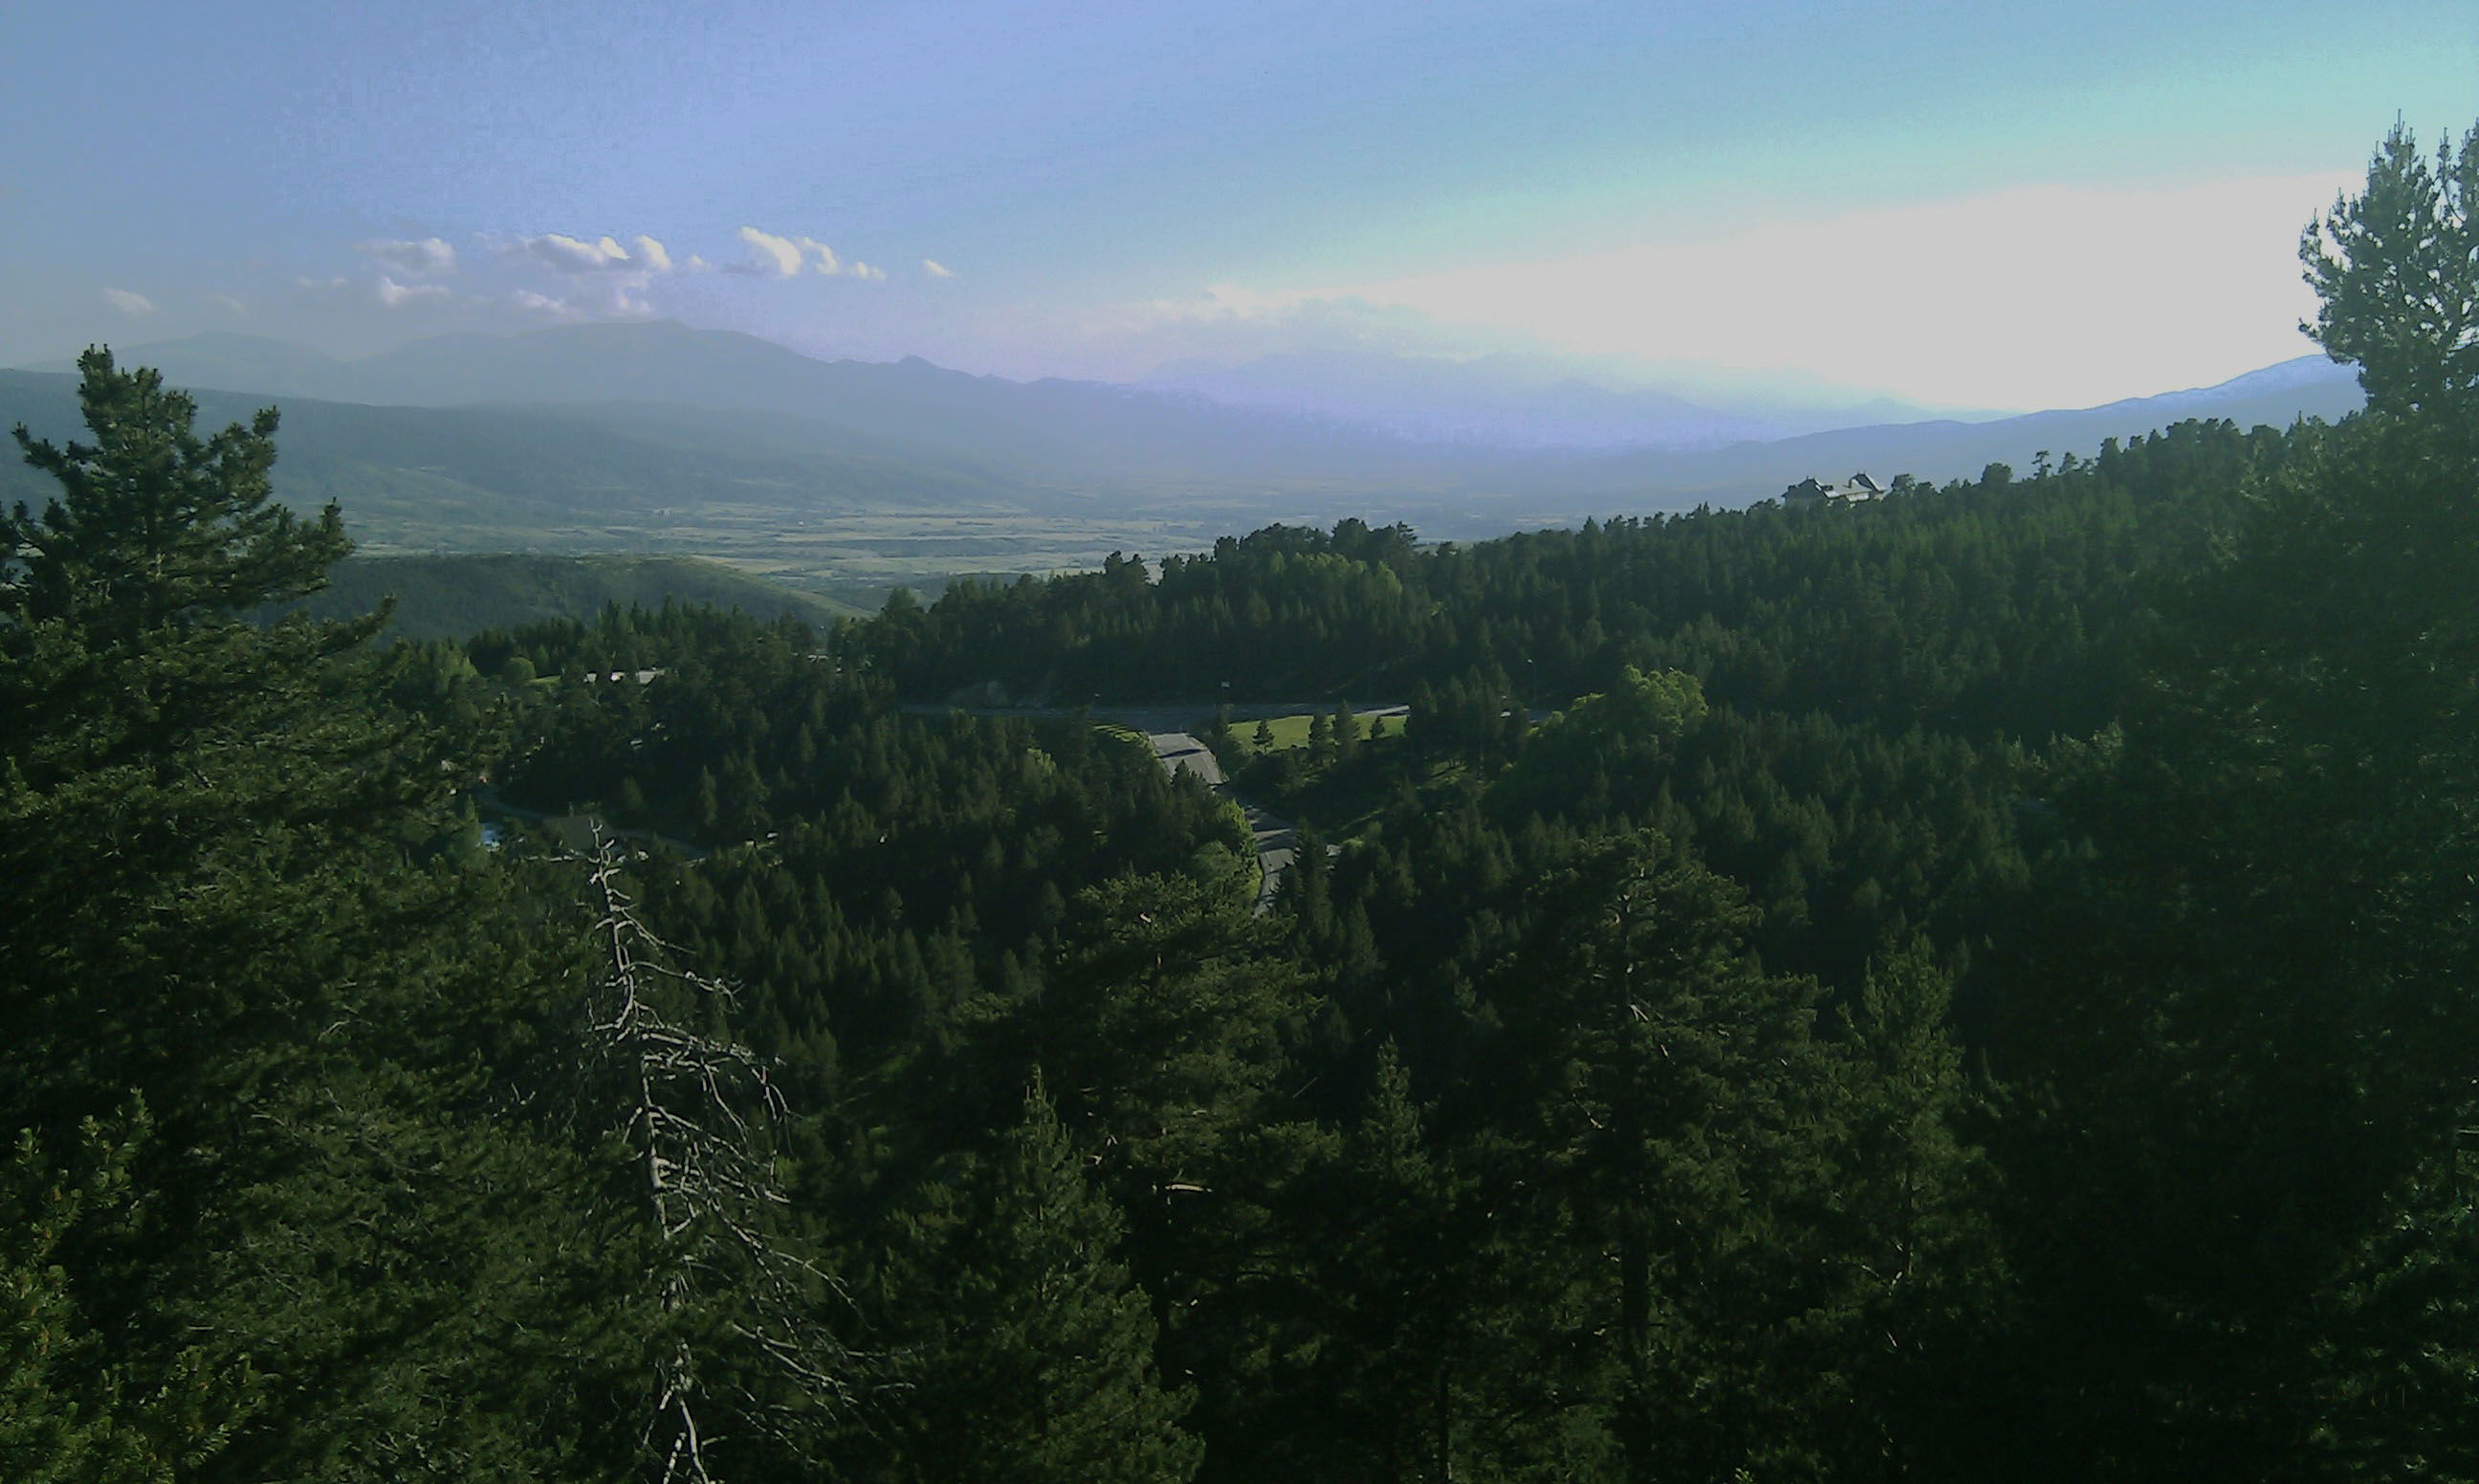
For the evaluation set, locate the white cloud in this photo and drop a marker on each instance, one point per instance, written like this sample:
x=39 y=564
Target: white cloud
x=785 y=257
x=545 y=304
x=2039 y=297
x=567 y=254
x=935 y=268
x=228 y=304
x=780 y=254
x=426 y=258
x=128 y=303
x=605 y=279
x=827 y=262
x=395 y=294
x=642 y=258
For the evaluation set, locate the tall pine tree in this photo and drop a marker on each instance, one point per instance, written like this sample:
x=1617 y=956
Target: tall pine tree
x=1028 y=1350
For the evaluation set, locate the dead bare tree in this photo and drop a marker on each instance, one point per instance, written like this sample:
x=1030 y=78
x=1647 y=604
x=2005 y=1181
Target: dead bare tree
x=697 y=1108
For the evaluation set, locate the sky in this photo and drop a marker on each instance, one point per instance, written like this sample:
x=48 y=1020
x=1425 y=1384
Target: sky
x=1987 y=206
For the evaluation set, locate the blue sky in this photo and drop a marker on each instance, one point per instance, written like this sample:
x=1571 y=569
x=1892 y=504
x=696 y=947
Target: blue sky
x=2010 y=205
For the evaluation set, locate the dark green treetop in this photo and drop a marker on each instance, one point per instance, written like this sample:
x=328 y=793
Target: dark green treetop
x=235 y=905
x=2397 y=269
x=1030 y=1346
x=154 y=523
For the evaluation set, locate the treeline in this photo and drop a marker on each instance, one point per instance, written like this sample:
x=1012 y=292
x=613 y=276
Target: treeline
x=1992 y=604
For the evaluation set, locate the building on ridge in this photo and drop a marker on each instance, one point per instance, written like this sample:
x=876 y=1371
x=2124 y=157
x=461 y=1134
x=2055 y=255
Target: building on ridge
x=1856 y=490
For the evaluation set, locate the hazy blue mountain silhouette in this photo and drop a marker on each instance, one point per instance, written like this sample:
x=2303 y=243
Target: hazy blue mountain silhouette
x=586 y=415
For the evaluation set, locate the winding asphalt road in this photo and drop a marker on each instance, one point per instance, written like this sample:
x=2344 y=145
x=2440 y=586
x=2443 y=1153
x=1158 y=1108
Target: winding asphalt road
x=1275 y=838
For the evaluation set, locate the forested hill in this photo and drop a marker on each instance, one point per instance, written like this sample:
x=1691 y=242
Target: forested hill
x=1971 y=607
x=1976 y=985
x=1579 y=1110
x=575 y=478
x=456 y=596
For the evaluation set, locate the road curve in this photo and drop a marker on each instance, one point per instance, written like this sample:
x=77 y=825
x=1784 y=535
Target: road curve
x=1275 y=837
x=1179 y=750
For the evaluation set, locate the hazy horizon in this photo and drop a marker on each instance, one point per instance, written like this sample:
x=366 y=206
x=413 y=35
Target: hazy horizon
x=2043 y=207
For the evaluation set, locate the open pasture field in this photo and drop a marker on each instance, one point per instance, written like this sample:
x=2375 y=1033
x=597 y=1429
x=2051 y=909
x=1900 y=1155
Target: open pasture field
x=861 y=554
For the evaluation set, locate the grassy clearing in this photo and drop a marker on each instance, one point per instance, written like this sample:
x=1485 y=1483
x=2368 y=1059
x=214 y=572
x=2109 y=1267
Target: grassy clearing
x=1292 y=731
x=858 y=554
x=1130 y=736
x=1289 y=731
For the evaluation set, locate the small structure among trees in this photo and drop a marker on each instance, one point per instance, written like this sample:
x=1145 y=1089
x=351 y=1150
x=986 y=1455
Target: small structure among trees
x=1852 y=491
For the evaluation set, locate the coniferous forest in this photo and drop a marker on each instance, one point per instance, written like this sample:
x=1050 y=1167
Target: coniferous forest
x=1975 y=985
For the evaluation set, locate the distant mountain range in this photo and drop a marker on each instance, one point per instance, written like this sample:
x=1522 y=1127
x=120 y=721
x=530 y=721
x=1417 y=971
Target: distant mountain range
x=569 y=438
x=1049 y=431
x=536 y=477
x=1502 y=401
x=2306 y=387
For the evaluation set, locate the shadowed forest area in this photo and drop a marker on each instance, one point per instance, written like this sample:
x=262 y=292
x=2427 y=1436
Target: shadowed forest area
x=1975 y=985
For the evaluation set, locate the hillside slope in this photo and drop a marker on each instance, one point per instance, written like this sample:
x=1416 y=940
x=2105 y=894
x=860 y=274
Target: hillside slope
x=497 y=477
x=1941 y=450
x=458 y=597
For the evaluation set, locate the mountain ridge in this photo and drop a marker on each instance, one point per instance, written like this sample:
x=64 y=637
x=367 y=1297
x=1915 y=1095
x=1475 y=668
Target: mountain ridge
x=1360 y=409
x=581 y=421
x=1949 y=448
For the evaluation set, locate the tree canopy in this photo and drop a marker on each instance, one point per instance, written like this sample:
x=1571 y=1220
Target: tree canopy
x=2396 y=271
x=153 y=523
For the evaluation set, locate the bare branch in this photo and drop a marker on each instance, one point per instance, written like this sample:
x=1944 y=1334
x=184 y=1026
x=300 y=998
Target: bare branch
x=696 y=1109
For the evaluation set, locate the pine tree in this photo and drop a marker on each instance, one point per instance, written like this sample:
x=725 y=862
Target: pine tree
x=2394 y=271
x=2242 y=1013
x=1682 y=1133
x=234 y=904
x=1920 y=1285
x=1161 y=1025
x=67 y=1416
x=1029 y=1350
x=152 y=523
x=155 y=746
x=1404 y=1286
